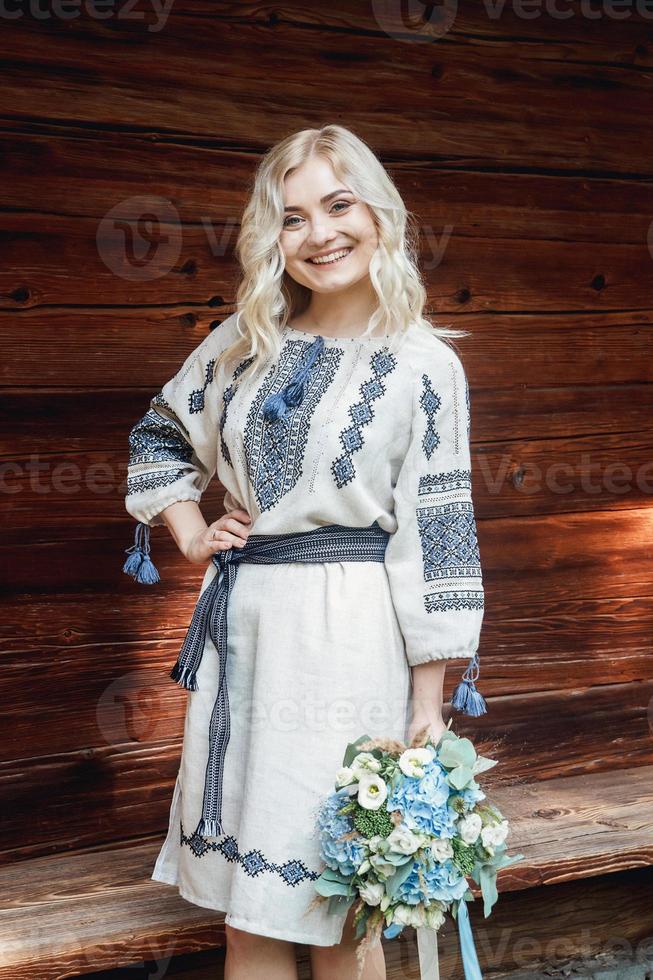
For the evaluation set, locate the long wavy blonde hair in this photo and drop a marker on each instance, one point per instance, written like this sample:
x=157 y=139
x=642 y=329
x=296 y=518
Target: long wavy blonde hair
x=268 y=298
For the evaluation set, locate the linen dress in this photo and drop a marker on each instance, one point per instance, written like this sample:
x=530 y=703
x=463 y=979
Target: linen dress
x=318 y=653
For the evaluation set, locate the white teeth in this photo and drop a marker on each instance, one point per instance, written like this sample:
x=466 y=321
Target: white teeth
x=325 y=259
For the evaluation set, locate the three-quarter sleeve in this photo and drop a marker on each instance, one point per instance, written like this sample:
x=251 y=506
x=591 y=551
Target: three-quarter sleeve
x=173 y=449
x=432 y=559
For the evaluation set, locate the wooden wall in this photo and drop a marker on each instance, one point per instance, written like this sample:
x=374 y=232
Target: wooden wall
x=524 y=147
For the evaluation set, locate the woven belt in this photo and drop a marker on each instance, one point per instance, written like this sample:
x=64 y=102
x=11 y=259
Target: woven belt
x=331 y=542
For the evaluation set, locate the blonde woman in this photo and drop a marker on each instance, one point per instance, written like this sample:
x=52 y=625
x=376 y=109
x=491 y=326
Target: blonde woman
x=345 y=571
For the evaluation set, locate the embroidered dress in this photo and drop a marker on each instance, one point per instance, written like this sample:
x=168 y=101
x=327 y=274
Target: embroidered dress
x=357 y=433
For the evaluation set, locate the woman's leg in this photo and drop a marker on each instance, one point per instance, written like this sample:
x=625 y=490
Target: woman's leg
x=250 y=955
x=340 y=961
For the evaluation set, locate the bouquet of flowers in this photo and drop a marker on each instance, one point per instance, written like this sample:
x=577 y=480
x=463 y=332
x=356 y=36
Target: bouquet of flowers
x=403 y=830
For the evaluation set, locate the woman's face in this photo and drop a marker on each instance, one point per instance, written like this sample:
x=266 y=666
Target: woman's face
x=324 y=218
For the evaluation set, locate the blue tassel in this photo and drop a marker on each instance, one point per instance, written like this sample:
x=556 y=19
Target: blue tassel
x=466 y=698
x=277 y=405
x=139 y=564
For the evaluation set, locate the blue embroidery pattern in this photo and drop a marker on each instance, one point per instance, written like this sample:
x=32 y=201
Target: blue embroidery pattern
x=430 y=402
x=292 y=872
x=275 y=448
x=229 y=392
x=361 y=413
x=196 y=397
x=157 y=440
x=450 y=551
x=468 y=407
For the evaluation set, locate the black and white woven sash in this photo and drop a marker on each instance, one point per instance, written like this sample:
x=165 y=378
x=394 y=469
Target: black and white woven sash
x=331 y=542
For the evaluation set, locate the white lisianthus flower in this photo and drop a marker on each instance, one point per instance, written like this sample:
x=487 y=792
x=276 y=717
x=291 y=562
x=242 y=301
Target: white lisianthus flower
x=412 y=761
x=344 y=776
x=404 y=841
x=470 y=827
x=441 y=850
x=364 y=763
x=374 y=842
x=363 y=867
x=494 y=834
x=434 y=917
x=372 y=892
x=372 y=791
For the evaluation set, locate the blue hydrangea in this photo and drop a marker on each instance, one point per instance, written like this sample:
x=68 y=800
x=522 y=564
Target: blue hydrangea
x=444 y=882
x=423 y=802
x=341 y=855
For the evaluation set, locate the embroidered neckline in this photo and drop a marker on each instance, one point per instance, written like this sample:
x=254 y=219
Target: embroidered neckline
x=307 y=335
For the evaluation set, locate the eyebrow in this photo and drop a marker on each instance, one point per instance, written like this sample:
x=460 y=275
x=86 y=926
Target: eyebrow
x=323 y=200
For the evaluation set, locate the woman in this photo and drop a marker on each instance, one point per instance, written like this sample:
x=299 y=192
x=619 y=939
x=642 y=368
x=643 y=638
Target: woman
x=337 y=419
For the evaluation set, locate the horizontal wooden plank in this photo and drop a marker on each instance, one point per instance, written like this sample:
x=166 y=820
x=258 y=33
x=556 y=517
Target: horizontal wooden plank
x=89 y=173
x=188 y=265
x=105 y=79
x=567 y=829
x=505 y=356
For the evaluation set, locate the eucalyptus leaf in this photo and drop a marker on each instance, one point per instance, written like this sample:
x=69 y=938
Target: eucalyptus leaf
x=394 y=883
x=482 y=764
x=460 y=752
x=329 y=888
x=459 y=777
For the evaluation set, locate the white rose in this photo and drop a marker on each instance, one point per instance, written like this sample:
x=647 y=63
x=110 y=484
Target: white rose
x=404 y=841
x=494 y=834
x=403 y=915
x=372 y=892
x=418 y=917
x=344 y=776
x=470 y=827
x=372 y=792
x=434 y=917
x=441 y=850
x=412 y=761
x=365 y=762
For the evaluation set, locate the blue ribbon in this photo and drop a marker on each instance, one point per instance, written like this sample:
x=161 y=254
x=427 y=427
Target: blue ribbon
x=467 y=949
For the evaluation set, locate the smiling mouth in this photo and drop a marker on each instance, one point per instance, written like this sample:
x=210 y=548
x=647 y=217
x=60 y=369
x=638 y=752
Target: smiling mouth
x=333 y=258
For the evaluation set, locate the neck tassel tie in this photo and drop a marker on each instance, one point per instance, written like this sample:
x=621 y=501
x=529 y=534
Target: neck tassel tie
x=139 y=564
x=466 y=698
x=277 y=405
x=330 y=542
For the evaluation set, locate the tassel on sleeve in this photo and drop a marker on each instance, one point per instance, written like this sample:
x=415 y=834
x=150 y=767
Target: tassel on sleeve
x=139 y=564
x=466 y=698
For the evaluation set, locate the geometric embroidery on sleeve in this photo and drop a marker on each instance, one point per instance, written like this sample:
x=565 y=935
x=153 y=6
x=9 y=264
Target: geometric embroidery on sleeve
x=361 y=413
x=196 y=397
x=450 y=552
x=156 y=450
x=430 y=402
x=292 y=872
